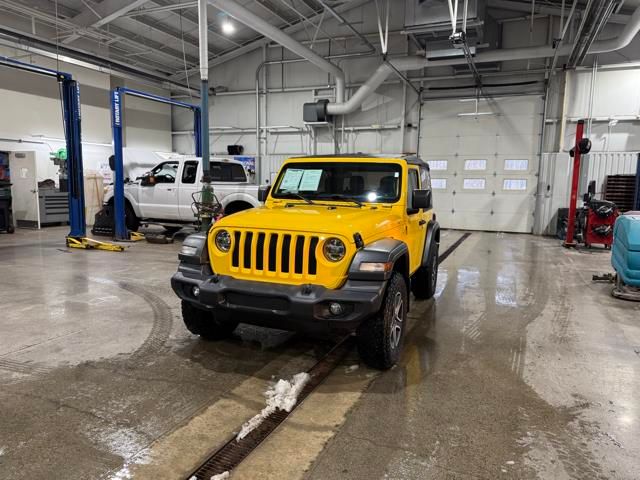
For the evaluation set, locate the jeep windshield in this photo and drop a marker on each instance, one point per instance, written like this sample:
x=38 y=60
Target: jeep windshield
x=355 y=182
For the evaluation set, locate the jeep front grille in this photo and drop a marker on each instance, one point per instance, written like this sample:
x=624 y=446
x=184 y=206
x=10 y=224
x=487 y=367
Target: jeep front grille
x=279 y=254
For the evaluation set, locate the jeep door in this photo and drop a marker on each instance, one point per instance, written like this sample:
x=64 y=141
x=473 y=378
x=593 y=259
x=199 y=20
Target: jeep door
x=416 y=221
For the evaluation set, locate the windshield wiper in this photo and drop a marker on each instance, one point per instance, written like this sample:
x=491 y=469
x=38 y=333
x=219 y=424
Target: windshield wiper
x=298 y=196
x=346 y=198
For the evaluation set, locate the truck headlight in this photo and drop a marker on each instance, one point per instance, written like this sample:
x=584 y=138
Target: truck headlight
x=334 y=249
x=223 y=241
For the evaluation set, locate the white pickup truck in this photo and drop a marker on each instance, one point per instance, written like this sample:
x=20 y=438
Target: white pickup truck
x=164 y=195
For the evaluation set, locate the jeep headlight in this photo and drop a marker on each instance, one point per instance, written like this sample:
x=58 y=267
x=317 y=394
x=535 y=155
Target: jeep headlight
x=334 y=249
x=223 y=241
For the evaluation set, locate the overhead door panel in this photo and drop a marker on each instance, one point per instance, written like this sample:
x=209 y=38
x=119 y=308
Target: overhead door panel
x=483 y=166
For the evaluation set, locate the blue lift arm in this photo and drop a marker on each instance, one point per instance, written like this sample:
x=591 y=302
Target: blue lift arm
x=117 y=123
x=71 y=116
x=70 y=92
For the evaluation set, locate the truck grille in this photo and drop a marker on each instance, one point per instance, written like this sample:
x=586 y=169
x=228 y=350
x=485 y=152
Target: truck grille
x=284 y=255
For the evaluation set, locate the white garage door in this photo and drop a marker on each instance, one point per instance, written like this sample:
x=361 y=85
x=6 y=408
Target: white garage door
x=483 y=167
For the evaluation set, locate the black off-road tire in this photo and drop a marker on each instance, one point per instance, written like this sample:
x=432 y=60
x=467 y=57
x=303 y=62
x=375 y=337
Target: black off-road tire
x=203 y=323
x=423 y=282
x=380 y=337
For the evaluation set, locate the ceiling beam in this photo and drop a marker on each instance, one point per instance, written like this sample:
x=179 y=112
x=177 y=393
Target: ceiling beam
x=249 y=47
x=116 y=38
x=162 y=8
x=103 y=13
x=192 y=19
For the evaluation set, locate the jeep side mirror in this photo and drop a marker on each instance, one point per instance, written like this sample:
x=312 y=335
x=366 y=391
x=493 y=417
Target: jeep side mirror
x=421 y=199
x=148 y=181
x=263 y=193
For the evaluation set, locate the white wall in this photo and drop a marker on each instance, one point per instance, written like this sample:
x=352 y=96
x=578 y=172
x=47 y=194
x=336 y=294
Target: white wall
x=31 y=109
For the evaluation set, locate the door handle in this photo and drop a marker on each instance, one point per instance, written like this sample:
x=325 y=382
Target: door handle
x=422 y=222
x=169 y=189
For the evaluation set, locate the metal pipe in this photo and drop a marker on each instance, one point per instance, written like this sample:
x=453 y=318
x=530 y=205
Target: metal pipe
x=26 y=43
x=592 y=90
x=415 y=63
x=263 y=27
x=207 y=191
x=341 y=20
x=547 y=10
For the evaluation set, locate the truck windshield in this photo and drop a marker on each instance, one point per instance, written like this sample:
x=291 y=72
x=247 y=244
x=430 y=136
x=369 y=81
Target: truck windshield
x=340 y=181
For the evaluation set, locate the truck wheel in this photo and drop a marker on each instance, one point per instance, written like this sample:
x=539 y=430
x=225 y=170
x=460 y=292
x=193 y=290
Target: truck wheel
x=423 y=282
x=130 y=218
x=203 y=323
x=380 y=337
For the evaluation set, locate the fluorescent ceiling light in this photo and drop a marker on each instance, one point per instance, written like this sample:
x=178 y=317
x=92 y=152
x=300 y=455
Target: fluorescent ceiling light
x=228 y=27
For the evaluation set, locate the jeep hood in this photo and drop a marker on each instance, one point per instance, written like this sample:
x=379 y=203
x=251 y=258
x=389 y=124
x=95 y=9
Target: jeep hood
x=315 y=219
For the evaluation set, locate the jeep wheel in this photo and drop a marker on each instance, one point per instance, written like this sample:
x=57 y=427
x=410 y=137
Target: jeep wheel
x=423 y=282
x=203 y=323
x=380 y=337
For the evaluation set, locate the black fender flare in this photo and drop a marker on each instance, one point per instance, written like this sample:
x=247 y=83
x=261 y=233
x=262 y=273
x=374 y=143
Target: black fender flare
x=384 y=250
x=431 y=241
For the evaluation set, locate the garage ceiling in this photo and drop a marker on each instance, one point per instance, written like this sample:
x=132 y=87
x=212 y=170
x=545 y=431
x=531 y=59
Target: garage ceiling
x=160 y=36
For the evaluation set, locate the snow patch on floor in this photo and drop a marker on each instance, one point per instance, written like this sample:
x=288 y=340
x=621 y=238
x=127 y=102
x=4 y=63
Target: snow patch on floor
x=281 y=396
x=2 y=450
x=221 y=476
x=351 y=368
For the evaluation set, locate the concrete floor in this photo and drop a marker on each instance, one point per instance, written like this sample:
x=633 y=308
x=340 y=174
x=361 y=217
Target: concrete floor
x=521 y=368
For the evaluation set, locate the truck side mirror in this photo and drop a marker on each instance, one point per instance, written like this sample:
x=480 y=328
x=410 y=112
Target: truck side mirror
x=263 y=193
x=148 y=181
x=422 y=199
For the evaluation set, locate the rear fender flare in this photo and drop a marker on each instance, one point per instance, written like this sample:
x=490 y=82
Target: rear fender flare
x=431 y=241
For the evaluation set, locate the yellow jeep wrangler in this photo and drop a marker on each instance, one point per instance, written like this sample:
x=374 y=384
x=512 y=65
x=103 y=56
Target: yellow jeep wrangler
x=336 y=247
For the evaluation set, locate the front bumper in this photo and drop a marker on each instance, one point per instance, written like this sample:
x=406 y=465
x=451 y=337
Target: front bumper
x=289 y=307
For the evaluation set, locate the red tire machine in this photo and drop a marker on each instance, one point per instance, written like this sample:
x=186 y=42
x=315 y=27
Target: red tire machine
x=595 y=220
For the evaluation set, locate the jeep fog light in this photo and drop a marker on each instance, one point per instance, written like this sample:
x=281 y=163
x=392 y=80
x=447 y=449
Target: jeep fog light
x=336 y=309
x=376 y=266
x=195 y=291
x=223 y=241
x=334 y=249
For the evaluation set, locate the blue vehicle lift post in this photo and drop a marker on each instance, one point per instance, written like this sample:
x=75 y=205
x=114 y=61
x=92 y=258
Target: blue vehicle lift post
x=70 y=92
x=117 y=122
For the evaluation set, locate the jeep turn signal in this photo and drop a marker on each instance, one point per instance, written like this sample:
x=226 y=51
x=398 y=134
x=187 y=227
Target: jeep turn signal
x=376 y=266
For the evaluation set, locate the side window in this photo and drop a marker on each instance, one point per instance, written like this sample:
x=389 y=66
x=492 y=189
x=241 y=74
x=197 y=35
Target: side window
x=425 y=178
x=190 y=172
x=412 y=184
x=228 y=172
x=165 y=172
x=237 y=173
x=216 y=172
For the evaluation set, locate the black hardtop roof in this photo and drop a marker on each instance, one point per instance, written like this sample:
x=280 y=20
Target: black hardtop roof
x=411 y=159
